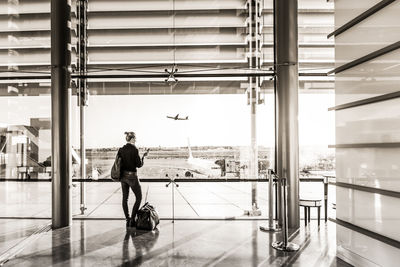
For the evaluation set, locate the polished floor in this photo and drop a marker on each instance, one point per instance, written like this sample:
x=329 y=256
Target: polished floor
x=183 y=243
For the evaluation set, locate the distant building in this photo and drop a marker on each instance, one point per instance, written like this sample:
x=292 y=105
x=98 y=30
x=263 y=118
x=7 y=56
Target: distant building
x=19 y=150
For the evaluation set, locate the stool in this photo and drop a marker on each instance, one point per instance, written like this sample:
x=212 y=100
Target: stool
x=308 y=204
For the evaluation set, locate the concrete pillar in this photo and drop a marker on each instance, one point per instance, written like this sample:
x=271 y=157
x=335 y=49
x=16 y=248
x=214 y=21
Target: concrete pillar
x=286 y=68
x=60 y=102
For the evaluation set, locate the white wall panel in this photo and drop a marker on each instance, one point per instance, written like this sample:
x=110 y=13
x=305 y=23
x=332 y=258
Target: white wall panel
x=165 y=36
x=372 y=167
x=323 y=53
x=16 y=39
x=346 y=10
x=373 y=123
x=124 y=5
x=25 y=22
x=377 y=213
x=373 y=33
x=151 y=20
x=24 y=6
x=163 y=54
x=375 y=77
x=361 y=250
x=12 y=57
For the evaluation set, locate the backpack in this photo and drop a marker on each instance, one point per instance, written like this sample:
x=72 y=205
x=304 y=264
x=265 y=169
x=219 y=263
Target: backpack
x=147 y=218
x=116 y=169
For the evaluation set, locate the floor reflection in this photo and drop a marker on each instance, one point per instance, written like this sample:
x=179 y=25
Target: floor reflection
x=182 y=243
x=142 y=242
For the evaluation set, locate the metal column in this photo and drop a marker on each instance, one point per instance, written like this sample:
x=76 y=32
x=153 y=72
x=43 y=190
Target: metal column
x=254 y=39
x=60 y=101
x=286 y=94
x=82 y=92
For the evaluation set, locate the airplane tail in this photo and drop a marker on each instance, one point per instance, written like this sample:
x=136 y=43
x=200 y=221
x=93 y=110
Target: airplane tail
x=190 y=150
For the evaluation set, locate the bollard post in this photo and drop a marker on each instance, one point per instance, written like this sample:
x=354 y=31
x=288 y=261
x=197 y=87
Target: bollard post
x=285 y=245
x=272 y=226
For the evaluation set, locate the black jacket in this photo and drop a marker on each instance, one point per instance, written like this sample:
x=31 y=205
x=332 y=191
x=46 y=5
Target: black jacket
x=130 y=159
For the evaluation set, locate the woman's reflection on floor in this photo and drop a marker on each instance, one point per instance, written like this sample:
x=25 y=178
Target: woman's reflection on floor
x=143 y=241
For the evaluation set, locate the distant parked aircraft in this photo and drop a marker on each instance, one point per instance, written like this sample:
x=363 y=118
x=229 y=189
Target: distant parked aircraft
x=191 y=166
x=177 y=118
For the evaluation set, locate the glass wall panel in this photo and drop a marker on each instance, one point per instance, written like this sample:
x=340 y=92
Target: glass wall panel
x=147 y=37
x=316 y=132
x=25 y=145
x=217 y=129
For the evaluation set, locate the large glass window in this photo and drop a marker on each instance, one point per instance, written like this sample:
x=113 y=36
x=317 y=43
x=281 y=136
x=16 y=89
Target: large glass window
x=131 y=47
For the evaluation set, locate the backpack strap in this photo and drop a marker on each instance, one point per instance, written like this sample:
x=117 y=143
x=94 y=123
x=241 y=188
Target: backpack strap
x=147 y=192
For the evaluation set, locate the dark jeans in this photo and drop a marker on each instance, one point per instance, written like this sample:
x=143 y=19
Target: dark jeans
x=130 y=180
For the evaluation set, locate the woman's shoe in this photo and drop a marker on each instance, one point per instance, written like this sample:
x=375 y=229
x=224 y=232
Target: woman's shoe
x=128 y=222
x=132 y=223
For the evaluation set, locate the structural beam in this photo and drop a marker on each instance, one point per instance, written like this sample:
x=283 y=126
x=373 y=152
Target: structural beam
x=60 y=101
x=286 y=94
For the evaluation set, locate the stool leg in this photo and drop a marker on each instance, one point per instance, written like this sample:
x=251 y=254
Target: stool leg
x=309 y=214
x=305 y=216
x=319 y=214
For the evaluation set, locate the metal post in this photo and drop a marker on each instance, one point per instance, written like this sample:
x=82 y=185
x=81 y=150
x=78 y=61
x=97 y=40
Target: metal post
x=172 y=183
x=286 y=69
x=60 y=101
x=254 y=86
x=272 y=227
x=83 y=163
x=285 y=245
x=82 y=93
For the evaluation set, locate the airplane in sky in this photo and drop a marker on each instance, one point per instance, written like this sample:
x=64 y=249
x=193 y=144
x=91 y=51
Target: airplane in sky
x=178 y=118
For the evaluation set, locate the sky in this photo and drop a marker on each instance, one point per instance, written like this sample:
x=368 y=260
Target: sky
x=214 y=120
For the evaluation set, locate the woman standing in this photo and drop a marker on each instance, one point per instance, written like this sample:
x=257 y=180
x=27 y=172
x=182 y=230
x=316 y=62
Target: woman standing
x=130 y=161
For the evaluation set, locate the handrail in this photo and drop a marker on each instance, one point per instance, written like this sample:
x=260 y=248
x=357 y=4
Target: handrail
x=141 y=76
x=162 y=180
